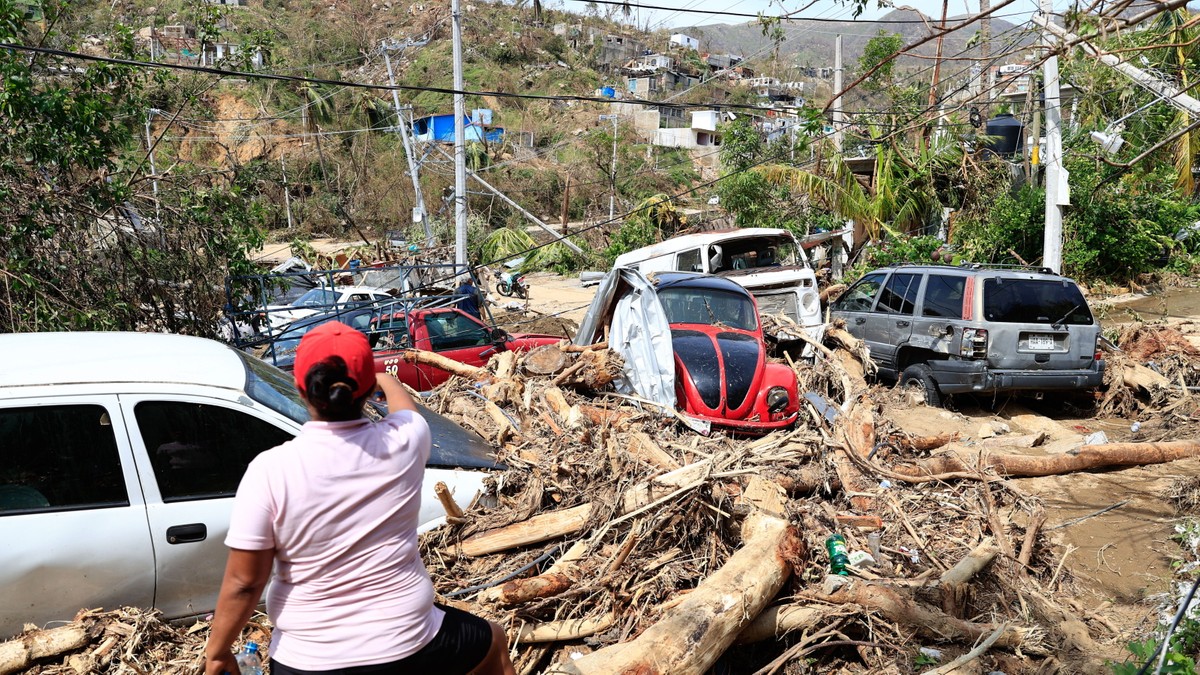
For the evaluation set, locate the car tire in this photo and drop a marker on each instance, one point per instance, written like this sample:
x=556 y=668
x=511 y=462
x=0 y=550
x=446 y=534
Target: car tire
x=920 y=376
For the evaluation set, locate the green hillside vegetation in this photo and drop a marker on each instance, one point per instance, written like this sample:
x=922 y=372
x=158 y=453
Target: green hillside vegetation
x=231 y=152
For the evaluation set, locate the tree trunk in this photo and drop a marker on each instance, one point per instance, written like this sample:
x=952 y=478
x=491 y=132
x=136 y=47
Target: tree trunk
x=689 y=639
x=449 y=365
x=20 y=653
x=1088 y=458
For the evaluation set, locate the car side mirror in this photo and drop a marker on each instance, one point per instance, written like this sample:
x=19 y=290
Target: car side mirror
x=499 y=335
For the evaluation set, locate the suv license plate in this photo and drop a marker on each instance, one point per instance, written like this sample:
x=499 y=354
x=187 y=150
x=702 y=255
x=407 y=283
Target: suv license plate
x=1043 y=343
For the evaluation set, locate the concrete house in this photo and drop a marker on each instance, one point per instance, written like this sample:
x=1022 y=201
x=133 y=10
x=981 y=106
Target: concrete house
x=702 y=132
x=685 y=41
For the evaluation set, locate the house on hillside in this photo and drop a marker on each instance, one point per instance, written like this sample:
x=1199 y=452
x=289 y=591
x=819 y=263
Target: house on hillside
x=440 y=128
x=685 y=41
x=652 y=84
x=178 y=44
x=614 y=50
x=700 y=134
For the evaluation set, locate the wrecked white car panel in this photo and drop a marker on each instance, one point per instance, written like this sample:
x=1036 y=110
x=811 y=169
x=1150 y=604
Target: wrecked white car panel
x=627 y=303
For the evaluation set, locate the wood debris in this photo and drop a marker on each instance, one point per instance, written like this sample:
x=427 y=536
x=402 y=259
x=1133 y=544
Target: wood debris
x=618 y=540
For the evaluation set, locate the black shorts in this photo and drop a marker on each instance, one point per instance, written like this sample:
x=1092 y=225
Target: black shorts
x=457 y=649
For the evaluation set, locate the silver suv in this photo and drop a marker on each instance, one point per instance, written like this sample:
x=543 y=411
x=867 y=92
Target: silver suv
x=974 y=329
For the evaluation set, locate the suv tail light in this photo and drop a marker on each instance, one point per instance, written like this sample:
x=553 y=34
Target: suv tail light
x=974 y=343
x=1098 y=355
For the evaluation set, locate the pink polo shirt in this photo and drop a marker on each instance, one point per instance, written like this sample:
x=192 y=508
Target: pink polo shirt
x=339 y=504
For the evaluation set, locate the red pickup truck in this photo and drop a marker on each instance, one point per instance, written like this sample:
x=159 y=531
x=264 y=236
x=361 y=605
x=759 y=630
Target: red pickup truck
x=450 y=332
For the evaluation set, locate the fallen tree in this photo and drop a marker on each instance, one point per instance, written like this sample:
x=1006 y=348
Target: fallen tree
x=1088 y=458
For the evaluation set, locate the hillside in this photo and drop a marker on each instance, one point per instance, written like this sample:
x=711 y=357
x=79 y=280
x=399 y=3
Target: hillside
x=810 y=43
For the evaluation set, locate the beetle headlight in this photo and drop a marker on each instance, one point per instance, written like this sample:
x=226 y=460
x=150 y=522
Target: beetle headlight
x=777 y=399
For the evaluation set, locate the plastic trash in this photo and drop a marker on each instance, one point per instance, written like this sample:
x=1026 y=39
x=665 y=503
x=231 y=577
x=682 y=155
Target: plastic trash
x=860 y=558
x=1136 y=427
x=249 y=661
x=1097 y=438
x=838 y=558
x=935 y=654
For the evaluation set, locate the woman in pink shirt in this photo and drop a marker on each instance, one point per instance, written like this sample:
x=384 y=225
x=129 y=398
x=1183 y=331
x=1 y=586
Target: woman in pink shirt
x=334 y=513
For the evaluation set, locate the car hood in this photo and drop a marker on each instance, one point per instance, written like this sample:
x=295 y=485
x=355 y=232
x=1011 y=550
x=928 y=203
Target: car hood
x=722 y=366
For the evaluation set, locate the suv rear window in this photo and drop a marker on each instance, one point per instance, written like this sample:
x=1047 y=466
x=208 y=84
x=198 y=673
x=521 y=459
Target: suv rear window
x=1034 y=301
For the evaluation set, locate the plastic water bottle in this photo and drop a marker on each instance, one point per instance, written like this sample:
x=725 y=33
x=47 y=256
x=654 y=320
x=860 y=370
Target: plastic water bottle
x=838 y=557
x=249 y=662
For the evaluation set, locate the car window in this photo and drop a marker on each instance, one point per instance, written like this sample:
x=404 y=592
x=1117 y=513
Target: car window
x=944 y=296
x=900 y=294
x=861 y=296
x=273 y=388
x=1051 y=301
x=452 y=330
x=317 y=297
x=389 y=331
x=200 y=451
x=707 y=306
x=689 y=261
x=59 y=457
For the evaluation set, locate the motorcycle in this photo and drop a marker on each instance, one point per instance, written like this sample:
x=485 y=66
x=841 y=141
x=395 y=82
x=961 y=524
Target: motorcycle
x=513 y=284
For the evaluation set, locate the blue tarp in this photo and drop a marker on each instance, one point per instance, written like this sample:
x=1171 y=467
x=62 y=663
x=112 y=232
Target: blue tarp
x=440 y=128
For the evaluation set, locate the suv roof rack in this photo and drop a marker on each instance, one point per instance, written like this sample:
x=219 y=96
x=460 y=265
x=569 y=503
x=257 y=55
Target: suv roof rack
x=1007 y=266
x=978 y=266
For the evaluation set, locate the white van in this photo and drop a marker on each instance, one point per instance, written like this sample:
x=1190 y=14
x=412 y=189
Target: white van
x=768 y=262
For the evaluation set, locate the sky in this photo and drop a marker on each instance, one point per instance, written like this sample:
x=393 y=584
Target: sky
x=819 y=9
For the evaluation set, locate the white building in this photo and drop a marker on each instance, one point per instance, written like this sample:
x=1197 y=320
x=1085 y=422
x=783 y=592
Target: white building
x=685 y=41
x=702 y=132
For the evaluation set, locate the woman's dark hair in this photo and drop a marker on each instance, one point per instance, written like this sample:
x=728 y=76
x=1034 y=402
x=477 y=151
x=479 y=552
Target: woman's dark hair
x=330 y=389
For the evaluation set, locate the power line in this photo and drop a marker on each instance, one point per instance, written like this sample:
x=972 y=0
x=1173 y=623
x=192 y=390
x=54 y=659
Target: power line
x=786 y=17
x=361 y=85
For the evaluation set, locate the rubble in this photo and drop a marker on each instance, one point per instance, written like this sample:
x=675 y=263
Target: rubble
x=618 y=540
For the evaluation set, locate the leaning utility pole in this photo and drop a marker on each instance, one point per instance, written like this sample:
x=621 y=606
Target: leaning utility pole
x=1057 y=193
x=419 y=213
x=460 y=146
x=837 y=90
x=612 y=168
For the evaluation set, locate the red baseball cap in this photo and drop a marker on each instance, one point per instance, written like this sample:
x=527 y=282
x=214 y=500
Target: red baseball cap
x=337 y=339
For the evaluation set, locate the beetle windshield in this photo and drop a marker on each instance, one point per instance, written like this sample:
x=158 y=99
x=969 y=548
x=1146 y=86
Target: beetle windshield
x=1034 y=301
x=273 y=388
x=708 y=306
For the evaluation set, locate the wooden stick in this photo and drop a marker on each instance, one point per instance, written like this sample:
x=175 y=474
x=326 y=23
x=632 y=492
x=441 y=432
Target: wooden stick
x=971 y=655
x=441 y=362
x=971 y=564
x=554 y=524
x=576 y=349
x=567 y=629
x=454 y=514
x=1036 y=520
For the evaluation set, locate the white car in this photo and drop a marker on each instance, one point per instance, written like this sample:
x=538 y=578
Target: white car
x=322 y=299
x=120 y=454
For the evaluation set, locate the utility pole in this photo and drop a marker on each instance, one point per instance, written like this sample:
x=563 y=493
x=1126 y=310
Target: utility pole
x=612 y=195
x=837 y=90
x=419 y=213
x=150 y=154
x=985 y=50
x=937 y=58
x=287 y=197
x=1055 y=173
x=460 y=146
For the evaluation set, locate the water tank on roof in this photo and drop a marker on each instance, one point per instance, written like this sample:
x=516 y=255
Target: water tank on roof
x=1008 y=133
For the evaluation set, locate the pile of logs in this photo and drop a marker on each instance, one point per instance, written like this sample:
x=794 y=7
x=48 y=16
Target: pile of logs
x=618 y=540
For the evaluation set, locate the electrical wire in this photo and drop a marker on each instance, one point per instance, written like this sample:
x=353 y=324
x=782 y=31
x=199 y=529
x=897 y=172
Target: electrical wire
x=359 y=85
x=782 y=17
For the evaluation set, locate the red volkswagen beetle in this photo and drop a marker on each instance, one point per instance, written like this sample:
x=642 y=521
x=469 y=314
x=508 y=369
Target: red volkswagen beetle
x=722 y=372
